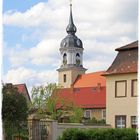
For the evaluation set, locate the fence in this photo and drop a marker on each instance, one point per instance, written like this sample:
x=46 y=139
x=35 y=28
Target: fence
x=15 y=131
x=51 y=130
x=36 y=129
x=31 y=130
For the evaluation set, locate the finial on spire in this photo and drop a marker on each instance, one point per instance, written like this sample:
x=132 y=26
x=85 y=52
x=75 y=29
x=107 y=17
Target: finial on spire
x=71 y=28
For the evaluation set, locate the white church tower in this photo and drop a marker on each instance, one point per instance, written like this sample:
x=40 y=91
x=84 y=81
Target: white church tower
x=71 y=50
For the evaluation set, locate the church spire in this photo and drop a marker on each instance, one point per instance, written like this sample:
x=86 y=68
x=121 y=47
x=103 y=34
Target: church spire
x=71 y=28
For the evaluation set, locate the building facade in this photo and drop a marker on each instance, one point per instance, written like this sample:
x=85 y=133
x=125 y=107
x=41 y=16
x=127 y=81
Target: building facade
x=90 y=95
x=121 y=88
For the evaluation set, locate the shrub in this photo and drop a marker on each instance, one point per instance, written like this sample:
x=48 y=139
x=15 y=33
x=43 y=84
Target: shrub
x=96 y=122
x=99 y=134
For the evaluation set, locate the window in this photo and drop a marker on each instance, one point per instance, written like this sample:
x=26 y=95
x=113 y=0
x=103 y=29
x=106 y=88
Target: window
x=134 y=88
x=64 y=59
x=120 y=88
x=77 y=59
x=103 y=114
x=65 y=78
x=134 y=121
x=120 y=121
x=87 y=114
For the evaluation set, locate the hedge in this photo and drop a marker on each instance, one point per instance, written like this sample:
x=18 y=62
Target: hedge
x=99 y=134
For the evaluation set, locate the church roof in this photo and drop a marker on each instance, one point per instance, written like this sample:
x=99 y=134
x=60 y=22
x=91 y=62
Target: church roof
x=89 y=91
x=126 y=60
x=71 y=40
x=87 y=97
x=71 y=28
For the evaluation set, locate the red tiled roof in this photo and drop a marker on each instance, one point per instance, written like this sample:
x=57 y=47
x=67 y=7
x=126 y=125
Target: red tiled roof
x=126 y=61
x=90 y=80
x=22 y=89
x=88 y=97
x=132 y=45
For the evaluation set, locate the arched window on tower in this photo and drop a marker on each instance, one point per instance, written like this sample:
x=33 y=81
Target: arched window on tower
x=64 y=59
x=78 y=59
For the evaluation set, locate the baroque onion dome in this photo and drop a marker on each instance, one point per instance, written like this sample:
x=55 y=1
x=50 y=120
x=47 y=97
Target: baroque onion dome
x=71 y=40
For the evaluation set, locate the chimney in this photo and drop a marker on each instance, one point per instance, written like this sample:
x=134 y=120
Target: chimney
x=72 y=88
x=98 y=87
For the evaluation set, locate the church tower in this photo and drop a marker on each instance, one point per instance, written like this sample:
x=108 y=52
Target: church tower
x=71 y=50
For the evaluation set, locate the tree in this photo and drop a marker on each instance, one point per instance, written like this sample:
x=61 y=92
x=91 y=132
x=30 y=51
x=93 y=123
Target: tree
x=77 y=115
x=14 y=105
x=14 y=110
x=42 y=100
x=48 y=103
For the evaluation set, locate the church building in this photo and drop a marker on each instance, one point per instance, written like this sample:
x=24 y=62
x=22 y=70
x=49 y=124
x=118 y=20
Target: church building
x=88 y=91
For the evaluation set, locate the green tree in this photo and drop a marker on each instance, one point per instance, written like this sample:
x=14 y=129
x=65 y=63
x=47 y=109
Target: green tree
x=14 y=105
x=14 y=110
x=77 y=115
x=48 y=103
x=44 y=99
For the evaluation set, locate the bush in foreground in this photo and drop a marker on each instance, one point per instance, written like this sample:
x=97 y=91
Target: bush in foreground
x=99 y=134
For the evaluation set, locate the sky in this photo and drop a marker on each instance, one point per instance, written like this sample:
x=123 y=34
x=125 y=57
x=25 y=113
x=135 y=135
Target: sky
x=34 y=29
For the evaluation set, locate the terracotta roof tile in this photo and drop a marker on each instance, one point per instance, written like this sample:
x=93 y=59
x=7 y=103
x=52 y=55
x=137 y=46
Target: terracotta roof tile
x=90 y=80
x=126 y=61
x=132 y=45
x=85 y=97
x=22 y=89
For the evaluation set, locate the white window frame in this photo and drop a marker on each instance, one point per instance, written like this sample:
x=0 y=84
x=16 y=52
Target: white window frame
x=134 y=120
x=103 y=111
x=121 y=121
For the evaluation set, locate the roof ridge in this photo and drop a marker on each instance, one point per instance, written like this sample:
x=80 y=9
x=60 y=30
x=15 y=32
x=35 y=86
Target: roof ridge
x=131 y=45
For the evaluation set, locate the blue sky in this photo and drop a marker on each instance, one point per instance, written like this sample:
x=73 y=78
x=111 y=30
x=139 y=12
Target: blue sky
x=33 y=30
x=19 y=5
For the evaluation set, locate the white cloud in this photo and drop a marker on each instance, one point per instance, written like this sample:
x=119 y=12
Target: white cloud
x=101 y=25
x=45 y=52
x=30 y=77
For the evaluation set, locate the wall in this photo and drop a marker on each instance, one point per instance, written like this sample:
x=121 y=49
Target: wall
x=54 y=129
x=123 y=105
x=71 y=75
x=62 y=126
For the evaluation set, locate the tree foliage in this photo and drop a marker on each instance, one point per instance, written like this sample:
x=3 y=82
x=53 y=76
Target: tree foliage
x=48 y=103
x=14 y=105
x=14 y=111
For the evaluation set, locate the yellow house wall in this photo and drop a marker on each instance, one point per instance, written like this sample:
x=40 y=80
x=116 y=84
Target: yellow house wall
x=120 y=106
